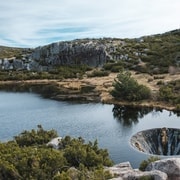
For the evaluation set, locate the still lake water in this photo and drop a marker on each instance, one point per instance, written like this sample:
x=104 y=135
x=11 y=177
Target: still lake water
x=111 y=125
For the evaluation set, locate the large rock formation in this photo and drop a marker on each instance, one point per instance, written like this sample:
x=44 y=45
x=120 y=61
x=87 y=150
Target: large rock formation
x=159 y=170
x=124 y=171
x=87 y=52
x=91 y=52
x=96 y=52
x=169 y=166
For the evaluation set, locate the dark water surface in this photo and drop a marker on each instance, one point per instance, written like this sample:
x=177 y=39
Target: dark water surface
x=111 y=125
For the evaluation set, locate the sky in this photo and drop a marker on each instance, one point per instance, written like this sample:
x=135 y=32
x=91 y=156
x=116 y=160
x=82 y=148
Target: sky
x=39 y=22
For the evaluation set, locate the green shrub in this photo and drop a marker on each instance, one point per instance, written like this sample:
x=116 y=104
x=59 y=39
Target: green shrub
x=35 y=137
x=109 y=66
x=127 y=88
x=170 y=92
x=116 y=68
x=77 y=152
x=145 y=163
x=28 y=157
x=29 y=162
x=166 y=93
x=59 y=72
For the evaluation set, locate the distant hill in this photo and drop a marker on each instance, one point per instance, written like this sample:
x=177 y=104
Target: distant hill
x=152 y=54
x=8 y=52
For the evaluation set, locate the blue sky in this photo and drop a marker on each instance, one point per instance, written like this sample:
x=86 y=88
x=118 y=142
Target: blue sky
x=39 y=22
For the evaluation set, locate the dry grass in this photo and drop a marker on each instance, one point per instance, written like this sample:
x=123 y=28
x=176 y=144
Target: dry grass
x=103 y=85
x=9 y=52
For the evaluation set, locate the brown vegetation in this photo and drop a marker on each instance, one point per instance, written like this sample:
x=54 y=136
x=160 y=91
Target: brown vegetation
x=97 y=88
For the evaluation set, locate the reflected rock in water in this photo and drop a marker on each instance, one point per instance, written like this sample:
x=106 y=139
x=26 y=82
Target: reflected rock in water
x=159 y=141
x=127 y=115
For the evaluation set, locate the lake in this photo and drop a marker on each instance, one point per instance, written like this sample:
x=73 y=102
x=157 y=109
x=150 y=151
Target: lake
x=111 y=125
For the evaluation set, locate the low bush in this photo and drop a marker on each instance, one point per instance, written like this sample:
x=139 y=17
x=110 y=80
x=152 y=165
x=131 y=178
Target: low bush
x=28 y=157
x=33 y=137
x=127 y=88
x=145 y=163
x=170 y=92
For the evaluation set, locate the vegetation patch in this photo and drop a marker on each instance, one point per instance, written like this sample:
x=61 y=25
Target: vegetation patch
x=127 y=88
x=61 y=72
x=8 y=52
x=145 y=163
x=28 y=157
x=170 y=92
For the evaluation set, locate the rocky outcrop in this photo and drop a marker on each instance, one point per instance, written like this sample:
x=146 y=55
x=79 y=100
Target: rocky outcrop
x=91 y=52
x=169 y=166
x=158 y=170
x=54 y=143
x=133 y=53
x=15 y=64
x=87 y=52
x=124 y=171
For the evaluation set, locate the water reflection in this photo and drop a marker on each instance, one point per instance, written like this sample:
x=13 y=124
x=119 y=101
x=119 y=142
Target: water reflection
x=128 y=116
x=23 y=111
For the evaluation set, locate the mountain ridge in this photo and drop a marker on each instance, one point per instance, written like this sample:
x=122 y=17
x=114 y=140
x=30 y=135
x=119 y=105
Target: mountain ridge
x=159 y=51
x=174 y=31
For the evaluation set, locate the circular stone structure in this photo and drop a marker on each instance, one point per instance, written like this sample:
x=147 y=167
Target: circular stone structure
x=159 y=141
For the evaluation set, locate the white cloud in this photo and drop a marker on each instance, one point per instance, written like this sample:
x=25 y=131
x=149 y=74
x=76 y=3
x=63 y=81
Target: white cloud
x=33 y=23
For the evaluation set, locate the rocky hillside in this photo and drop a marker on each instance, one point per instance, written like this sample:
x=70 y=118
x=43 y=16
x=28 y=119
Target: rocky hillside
x=154 y=54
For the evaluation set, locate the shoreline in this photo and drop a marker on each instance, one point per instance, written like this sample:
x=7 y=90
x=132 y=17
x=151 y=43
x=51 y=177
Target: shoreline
x=80 y=90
